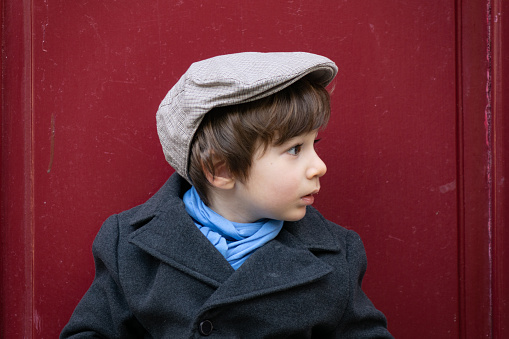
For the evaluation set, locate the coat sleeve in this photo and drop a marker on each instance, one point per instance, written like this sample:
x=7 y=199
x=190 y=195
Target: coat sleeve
x=103 y=311
x=361 y=319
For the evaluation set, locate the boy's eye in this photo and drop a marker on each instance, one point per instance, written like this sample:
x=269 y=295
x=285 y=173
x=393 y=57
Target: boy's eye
x=295 y=150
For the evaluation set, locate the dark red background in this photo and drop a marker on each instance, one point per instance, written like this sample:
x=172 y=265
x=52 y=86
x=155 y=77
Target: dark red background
x=415 y=149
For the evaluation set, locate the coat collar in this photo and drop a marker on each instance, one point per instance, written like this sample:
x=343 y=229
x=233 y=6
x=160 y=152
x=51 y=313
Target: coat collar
x=167 y=232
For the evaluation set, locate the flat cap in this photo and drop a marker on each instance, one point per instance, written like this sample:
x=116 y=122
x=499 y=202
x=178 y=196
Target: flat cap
x=228 y=80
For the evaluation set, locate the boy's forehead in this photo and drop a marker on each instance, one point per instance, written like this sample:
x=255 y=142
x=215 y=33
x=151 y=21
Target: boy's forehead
x=228 y=80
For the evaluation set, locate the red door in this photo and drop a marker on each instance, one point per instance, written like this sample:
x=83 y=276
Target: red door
x=416 y=150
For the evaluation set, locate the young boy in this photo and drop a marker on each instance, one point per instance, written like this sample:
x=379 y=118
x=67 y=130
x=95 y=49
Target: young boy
x=230 y=246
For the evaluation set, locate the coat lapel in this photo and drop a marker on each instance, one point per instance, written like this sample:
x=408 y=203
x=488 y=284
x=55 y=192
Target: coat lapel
x=281 y=264
x=276 y=266
x=169 y=234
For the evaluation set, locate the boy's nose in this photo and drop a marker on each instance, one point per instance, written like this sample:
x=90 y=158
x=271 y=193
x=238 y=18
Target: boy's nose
x=317 y=168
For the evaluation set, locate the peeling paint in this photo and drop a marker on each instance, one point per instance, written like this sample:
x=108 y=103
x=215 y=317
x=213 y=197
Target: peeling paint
x=44 y=26
x=488 y=123
x=37 y=322
x=52 y=143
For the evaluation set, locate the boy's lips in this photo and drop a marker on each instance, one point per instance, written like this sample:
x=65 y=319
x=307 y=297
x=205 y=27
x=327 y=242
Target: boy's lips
x=310 y=199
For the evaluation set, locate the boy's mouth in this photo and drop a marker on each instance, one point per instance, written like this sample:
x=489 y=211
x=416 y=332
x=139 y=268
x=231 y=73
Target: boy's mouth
x=310 y=199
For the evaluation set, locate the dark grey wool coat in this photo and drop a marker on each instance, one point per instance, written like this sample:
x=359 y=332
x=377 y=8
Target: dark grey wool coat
x=157 y=276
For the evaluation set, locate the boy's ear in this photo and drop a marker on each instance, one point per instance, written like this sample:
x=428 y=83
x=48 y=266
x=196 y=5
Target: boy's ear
x=222 y=178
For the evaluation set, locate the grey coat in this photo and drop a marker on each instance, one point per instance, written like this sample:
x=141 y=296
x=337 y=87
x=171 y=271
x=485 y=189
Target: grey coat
x=157 y=276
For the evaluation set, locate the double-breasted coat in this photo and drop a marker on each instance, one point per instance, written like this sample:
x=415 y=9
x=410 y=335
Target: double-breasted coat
x=157 y=276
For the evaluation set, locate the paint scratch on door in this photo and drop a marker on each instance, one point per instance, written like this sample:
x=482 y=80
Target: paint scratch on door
x=52 y=143
x=37 y=322
x=44 y=26
x=488 y=124
x=448 y=187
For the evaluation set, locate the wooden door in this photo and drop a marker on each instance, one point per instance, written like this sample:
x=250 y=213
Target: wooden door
x=416 y=150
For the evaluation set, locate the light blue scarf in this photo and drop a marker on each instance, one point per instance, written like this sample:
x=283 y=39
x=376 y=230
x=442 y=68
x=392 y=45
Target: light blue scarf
x=235 y=241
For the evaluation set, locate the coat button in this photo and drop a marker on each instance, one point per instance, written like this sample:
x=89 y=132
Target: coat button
x=206 y=327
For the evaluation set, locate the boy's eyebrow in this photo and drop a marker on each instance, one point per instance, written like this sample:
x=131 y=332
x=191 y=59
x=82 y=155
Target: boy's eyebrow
x=292 y=139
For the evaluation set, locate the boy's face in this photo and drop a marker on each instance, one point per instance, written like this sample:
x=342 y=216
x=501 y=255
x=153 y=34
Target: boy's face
x=281 y=183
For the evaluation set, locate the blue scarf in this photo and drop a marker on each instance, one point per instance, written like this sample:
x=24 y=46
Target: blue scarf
x=235 y=241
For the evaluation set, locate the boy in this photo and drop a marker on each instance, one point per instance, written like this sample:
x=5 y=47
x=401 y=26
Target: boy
x=230 y=247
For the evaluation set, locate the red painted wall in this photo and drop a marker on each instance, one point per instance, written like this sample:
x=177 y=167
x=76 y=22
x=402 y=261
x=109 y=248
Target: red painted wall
x=410 y=167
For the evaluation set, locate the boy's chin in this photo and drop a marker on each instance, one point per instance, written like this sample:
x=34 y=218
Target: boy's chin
x=296 y=216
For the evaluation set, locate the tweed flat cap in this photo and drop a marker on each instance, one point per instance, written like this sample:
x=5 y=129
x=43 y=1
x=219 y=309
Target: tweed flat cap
x=228 y=80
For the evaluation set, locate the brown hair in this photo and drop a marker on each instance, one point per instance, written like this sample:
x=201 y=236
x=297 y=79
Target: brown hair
x=234 y=133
